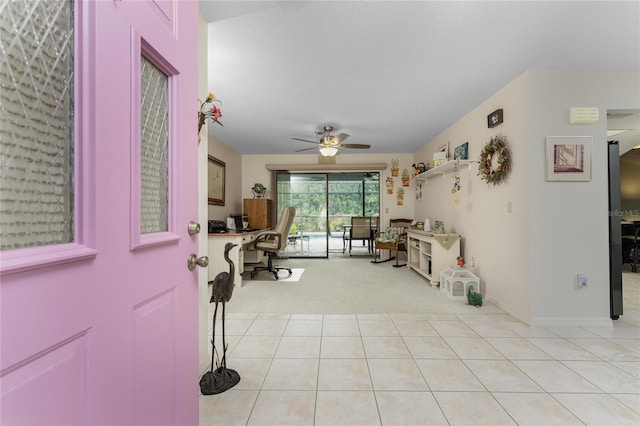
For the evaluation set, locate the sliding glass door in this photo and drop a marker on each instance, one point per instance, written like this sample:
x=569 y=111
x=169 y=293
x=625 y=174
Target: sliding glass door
x=307 y=192
x=324 y=203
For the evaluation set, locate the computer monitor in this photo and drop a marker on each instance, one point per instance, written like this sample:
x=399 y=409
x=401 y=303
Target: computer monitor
x=239 y=221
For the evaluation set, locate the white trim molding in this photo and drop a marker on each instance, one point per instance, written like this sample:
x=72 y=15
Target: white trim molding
x=326 y=167
x=571 y=322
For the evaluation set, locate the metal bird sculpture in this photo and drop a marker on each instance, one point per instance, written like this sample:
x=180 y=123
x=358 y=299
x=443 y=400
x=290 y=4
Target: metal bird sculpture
x=222 y=378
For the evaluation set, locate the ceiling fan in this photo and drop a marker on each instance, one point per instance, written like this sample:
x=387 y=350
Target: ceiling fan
x=328 y=145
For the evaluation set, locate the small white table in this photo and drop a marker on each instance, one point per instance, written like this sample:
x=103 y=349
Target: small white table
x=293 y=239
x=455 y=282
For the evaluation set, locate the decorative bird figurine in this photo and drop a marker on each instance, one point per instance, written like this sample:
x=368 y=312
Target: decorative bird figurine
x=223 y=283
x=222 y=378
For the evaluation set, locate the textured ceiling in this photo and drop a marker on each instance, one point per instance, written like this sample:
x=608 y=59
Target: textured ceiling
x=392 y=74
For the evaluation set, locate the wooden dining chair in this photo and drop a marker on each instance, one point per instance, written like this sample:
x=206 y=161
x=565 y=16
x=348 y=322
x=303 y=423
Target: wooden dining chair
x=394 y=239
x=360 y=231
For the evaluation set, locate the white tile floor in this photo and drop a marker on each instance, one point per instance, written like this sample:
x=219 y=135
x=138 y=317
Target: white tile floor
x=425 y=369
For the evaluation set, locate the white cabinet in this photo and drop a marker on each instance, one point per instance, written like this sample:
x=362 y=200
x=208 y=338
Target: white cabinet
x=428 y=254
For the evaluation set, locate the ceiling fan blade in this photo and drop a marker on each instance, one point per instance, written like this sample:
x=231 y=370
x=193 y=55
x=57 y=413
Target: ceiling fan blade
x=304 y=140
x=340 y=137
x=355 y=146
x=306 y=149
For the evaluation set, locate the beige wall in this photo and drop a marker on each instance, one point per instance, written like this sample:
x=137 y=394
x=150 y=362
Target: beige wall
x=233 y=178
x=491 y=236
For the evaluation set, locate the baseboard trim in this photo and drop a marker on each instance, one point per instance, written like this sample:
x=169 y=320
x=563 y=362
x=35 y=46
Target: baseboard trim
x=571 y=322
x=204 y=367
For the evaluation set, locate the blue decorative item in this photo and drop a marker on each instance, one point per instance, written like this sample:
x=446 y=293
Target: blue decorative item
x=473 y=298
x=461 y=152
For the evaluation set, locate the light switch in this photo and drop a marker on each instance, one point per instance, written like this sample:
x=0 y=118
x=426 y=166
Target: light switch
x=582 y=280
x=509 y=207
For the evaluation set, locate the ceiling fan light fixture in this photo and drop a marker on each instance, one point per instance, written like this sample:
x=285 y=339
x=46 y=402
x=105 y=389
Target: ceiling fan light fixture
x=328 y=151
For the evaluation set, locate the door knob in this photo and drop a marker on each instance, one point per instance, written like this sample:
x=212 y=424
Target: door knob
x=194 y=261
x=193 y=228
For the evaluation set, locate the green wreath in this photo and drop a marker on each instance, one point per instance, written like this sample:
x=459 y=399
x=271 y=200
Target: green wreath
x=496 y=146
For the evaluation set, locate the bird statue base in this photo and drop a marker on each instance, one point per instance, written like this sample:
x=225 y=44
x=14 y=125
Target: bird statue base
x=218 y=381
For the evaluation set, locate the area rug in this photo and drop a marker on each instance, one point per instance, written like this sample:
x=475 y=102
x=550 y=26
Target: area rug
x=283 y=276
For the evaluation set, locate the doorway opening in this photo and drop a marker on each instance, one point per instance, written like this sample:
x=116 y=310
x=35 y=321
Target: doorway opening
x=623 y=134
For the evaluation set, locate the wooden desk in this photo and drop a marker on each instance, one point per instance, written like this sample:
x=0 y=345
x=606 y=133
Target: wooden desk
x=238 y=255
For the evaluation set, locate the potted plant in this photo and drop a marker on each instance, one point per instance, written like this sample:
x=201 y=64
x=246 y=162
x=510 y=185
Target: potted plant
x=395 y=166
x=389 y=182
x=400 y=196
x=406 y=177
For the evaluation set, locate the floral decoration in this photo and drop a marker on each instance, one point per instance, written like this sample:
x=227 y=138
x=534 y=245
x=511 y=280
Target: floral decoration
x=497 y=146
x=209 y=110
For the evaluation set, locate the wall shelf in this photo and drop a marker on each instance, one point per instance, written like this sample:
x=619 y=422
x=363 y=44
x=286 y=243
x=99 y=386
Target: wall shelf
x=443 y=169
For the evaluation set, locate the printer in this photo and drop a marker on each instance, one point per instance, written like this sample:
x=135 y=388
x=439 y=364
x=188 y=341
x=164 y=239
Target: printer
x=217 y=227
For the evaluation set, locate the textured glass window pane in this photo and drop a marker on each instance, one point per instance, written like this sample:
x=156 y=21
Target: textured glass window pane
x=154 y=118
x=36 y=123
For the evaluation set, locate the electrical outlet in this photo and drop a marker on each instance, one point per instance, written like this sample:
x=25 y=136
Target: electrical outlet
x=509 y=207
x=582 y=280
x=473 y=262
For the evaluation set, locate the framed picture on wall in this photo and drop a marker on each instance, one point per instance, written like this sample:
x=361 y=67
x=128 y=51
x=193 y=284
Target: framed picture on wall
x=569 y=158
x=441 y=156
x=216 y=181
x=495 y=118
x=461 y=152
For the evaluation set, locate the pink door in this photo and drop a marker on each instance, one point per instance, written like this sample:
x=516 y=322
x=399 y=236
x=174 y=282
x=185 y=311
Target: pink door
x=98 y=307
